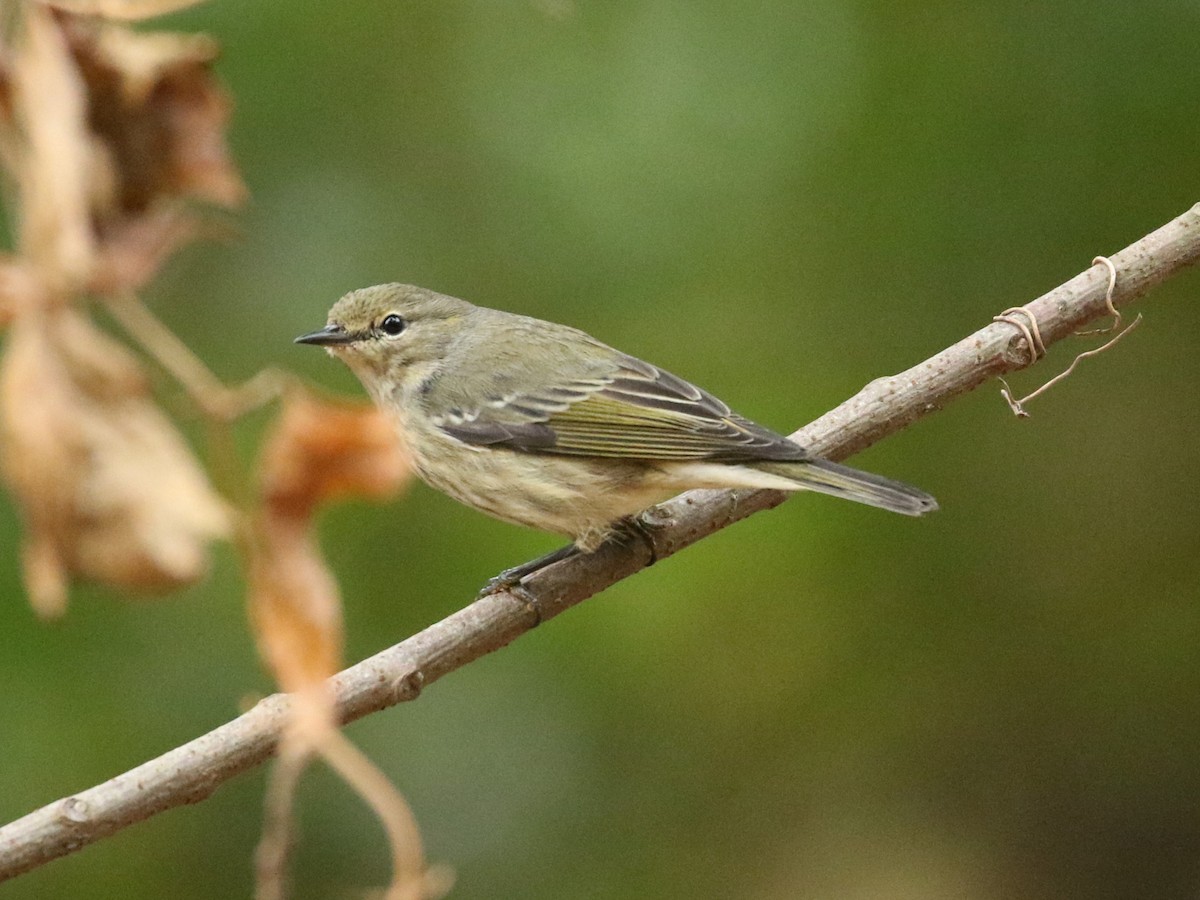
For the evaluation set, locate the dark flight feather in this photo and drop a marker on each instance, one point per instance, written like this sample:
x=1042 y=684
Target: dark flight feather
x=637 y=412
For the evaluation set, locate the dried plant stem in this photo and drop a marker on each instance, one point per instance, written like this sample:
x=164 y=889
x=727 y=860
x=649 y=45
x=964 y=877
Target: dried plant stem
x=190 y=773
x=410 y=880
x=1018 y=406
x=216 y=400
x=271 y=855
x=220 y=404
x=306 y=737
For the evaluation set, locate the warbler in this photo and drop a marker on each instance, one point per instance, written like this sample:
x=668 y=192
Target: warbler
x=542 y=425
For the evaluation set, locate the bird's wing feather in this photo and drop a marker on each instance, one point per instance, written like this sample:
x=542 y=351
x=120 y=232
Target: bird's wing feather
x=635 y=411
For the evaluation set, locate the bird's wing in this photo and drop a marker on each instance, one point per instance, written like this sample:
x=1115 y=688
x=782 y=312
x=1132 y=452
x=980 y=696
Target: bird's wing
x=635 y=411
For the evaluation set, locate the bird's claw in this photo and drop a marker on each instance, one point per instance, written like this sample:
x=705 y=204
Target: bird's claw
x=510 y=581
x=505 y=581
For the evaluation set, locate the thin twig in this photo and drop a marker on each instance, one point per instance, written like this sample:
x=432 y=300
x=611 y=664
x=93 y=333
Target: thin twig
x=1018 y=406
x=1030 y=332
x=192 y=772
x=410 y=879
x=1095 y=351
x=275 y=845
x=212 y=396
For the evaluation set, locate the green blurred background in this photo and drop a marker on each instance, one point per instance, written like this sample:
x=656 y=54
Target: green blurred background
x=780 y=201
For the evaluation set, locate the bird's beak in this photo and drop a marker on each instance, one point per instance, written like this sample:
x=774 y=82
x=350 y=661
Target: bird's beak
x=329 y=336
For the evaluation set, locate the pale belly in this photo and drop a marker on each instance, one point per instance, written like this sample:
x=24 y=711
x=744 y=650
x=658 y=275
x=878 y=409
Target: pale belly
x=574 y=496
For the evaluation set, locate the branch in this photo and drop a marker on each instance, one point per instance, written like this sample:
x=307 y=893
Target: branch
x=192 y=772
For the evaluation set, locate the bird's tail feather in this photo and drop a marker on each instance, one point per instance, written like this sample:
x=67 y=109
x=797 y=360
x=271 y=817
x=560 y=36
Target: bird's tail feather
x=853 y=484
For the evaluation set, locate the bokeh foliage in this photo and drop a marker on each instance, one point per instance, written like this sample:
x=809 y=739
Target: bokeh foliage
x=781 y=202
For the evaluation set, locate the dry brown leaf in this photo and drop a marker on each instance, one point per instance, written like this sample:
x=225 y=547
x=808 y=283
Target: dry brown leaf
x=322 y=450
x=123 y=10
x=107 y=488
x=296 y=609
x=158 y=111
x=51 y=153
x=317 y=451
x=107 y=131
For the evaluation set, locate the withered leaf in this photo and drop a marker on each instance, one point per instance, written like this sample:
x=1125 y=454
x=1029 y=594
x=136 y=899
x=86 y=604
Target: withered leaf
x=322 y=450
x=158 y=112
x=51 y=154
x=107 y=132
x=317 y=451
x=107 y=488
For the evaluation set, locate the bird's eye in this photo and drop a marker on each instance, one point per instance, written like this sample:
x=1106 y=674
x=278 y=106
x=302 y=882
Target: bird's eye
x=391 y=325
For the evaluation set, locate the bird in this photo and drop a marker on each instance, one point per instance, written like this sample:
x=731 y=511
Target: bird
x=542 y=425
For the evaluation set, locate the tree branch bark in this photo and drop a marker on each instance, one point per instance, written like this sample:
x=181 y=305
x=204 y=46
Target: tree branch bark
x=190 y=773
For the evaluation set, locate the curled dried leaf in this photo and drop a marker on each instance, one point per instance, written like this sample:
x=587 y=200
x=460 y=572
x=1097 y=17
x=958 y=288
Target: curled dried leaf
x=158 y=112
x=297 y=612
x=322 y=450
x=106 y=132
x=317 y=451
x=107 y=488
x=50 y=151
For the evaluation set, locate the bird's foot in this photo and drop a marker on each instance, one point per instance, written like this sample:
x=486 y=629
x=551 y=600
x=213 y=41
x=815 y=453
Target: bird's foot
x=510 y=579
x=527 y=598
x=505 y=581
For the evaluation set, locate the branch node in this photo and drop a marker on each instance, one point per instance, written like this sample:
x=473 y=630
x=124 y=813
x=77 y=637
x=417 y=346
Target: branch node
x=408 y=687
x=1029 y=330
x=526 y=598
x=1031 y=334
x=74 y=811
x=644 y=527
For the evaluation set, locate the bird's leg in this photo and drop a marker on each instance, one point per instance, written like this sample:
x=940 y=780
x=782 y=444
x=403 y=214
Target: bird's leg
x=511 y=578
x=638 y=526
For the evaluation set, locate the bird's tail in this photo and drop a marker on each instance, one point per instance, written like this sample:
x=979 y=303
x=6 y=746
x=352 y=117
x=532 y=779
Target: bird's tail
x=853 y=484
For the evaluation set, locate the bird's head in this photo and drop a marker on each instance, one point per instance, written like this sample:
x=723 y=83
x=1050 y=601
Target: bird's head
x=391 y=334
